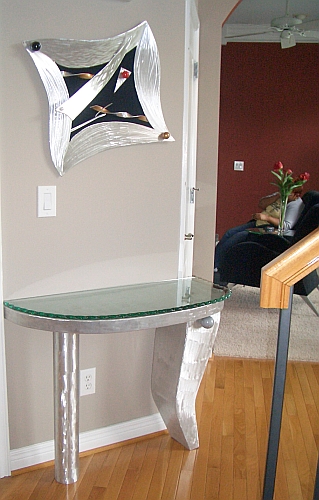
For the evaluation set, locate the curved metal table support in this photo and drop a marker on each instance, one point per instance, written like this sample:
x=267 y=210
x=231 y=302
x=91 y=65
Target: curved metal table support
x=186 y=320
x=181 y=353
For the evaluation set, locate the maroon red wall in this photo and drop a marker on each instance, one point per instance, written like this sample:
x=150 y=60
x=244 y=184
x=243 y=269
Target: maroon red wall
x=269 y=111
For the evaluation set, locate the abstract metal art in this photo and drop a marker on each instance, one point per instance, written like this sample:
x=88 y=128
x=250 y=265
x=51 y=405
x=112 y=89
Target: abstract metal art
x=102 y=93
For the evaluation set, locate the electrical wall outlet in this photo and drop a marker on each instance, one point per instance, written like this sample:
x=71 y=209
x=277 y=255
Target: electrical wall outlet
x=239 y=165
x=87 y=381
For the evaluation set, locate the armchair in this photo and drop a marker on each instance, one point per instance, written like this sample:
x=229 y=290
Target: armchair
x=244 y=261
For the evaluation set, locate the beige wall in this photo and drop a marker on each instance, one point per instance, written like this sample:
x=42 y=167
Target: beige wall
x=117 y=213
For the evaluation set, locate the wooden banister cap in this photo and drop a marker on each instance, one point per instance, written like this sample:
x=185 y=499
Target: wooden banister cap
x=285 y=270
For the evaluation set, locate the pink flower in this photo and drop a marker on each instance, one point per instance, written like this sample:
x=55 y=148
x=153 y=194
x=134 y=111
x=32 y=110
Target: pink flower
x=278 y=166
x=304 y=177
x=285 y=182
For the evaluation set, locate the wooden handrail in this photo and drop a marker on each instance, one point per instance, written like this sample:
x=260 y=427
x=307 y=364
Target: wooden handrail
x=285 y=270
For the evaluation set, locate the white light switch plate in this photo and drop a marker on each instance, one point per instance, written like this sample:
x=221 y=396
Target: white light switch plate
x=46 y=201
x=239 y=165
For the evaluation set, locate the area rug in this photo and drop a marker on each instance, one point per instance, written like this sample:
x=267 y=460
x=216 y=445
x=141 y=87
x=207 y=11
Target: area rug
x=248 y=331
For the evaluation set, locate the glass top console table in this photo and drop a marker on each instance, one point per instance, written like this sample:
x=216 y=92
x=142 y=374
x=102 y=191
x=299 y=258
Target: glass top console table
x=185 y=314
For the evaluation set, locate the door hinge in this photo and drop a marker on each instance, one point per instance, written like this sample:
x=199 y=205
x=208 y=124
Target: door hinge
x=192 y=194
x=196 y=69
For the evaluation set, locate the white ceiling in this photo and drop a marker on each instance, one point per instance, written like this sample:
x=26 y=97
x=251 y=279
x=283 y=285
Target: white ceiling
x=262 y=11
x=254 y=16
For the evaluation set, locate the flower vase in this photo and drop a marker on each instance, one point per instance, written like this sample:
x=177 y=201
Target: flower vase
x=283 y=207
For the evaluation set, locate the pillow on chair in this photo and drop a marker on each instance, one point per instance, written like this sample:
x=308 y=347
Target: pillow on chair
x=309 y=223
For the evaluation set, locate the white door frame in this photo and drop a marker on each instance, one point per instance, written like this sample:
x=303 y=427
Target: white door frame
x=187 y=220
x=5 y=467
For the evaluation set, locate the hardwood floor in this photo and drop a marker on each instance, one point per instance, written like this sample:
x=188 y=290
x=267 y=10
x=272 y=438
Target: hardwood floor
x=233 y=408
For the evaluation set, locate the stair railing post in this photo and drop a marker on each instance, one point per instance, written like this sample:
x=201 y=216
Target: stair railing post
x=277 y=399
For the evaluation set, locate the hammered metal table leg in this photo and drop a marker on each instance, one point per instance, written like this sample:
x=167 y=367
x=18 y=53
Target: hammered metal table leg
x=66 y=406
x=181 y=353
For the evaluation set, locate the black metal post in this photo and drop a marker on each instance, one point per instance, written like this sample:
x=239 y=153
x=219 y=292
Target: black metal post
x=277 y=399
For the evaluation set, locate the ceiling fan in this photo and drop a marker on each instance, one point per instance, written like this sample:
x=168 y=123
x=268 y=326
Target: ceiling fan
x=288 y=27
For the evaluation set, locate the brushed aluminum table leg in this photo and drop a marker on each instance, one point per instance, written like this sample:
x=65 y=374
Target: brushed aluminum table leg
x=66 y=406
x=181 y=353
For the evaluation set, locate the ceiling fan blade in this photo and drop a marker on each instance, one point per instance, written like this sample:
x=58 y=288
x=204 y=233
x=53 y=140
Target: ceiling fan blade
x=314 y=21
x=311 y=33
x=247 y=34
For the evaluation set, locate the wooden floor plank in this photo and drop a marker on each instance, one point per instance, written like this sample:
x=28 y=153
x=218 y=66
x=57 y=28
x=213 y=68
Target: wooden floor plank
x=173 y=471
x=216 y=430
x=118 y=474
x=240 y=489
x=20 y=487
x=212 y=484
x=184 y=487
x=313 y=382
x=303 y=416
x=44 y=485
x=147 y=470
x=239 y=423
x=210 y=381
x=308 y=395
x=128 y=487
x=281 y=485
x=220 y=372
x=226 y=487
x=160 y=469
x=108 y=466
x=252 y=455
x=202 y=454
x=233 y=411
x=228 y=421
x=294 y=486
x=312 y=403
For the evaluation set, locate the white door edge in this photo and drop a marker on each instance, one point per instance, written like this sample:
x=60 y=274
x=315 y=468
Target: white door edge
x=5 y=467
x=185 y=262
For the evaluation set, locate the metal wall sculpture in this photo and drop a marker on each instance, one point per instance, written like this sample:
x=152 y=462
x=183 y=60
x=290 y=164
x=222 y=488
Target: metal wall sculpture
x=102 y=93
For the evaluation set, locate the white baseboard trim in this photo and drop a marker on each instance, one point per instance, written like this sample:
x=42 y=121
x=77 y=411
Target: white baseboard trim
x=44 y=452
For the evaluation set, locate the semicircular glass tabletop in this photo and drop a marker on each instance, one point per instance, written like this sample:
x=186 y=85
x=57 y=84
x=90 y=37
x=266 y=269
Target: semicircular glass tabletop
x=129 y=301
